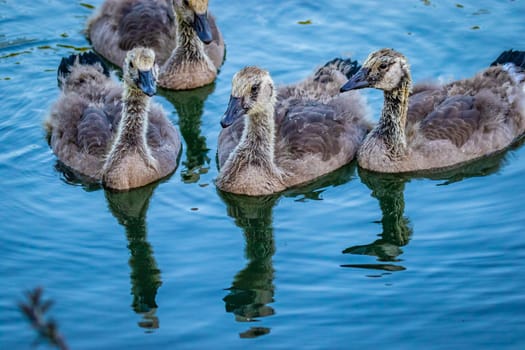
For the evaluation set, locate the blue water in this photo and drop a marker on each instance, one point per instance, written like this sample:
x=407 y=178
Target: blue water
x=354 y=260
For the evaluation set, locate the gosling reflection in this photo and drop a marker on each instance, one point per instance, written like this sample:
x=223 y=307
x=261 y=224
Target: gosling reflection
x=190 y=106
x=396 y=228
x=130 y=209
x=252 y=289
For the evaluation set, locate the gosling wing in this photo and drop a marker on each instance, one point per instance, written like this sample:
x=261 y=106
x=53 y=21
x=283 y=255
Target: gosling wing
x=455 y=119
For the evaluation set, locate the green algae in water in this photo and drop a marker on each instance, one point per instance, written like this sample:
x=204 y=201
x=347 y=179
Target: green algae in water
x=475 y=27
x=88 y=6
x=306 y=22
x=81 y=49
x=14 y=54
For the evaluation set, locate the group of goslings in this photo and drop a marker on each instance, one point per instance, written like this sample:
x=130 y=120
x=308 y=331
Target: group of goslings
x=273 y=137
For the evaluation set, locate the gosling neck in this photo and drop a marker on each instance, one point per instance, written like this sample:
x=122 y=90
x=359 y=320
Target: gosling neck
x=189 y=47
x=258 y=137
x=133 y=127
x=396 y=227
x=392 y=124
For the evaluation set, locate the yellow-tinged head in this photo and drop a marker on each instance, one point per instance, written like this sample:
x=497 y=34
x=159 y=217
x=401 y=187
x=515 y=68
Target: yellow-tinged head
x=195 y=14
x=140 y=70
x=252 y=92
x=199 y=6
x=385 y=69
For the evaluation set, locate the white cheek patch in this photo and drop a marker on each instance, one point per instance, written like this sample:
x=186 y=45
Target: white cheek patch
x=392 y=77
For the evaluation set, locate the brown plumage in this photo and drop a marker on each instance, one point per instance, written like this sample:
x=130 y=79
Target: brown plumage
x=186 y=40
x=439 y=126
x=111 y=133
x=272 y=140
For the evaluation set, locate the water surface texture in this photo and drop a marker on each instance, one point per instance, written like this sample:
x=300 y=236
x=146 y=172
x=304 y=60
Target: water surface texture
x=354 y=260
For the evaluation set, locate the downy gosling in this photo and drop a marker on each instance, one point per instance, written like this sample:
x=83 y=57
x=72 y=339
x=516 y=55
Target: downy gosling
x=187 y=42
x=439 y=126
x=273 y=139
x=112 y=133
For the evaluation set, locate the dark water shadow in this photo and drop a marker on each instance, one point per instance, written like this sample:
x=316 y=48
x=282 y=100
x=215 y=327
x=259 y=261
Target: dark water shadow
x=73 y=178
x=130 y=209
x=314 y=190
x=388 y=189
x=397 y=230
x=252 y=289
x=189 y=105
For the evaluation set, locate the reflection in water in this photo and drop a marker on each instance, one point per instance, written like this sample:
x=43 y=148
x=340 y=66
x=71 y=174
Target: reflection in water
x=190 y=106
x=252 y=288
x=315 y=189
x=73 y=178
x=130 y=209
x=389 y=191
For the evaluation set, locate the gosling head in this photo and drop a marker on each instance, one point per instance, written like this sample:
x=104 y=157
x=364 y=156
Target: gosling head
x=195 y=13
x=385 y=70
x=252 y=92
x=140 y=70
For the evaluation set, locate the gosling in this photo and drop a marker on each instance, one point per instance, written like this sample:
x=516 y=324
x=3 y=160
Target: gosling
x=440 y=126
x=272 y=140
x=186 y=40
x=111 y=133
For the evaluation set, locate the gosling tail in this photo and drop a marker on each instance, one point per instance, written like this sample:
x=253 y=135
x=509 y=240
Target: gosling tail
x=511 y=56
x=86 y=58
x=345 y=66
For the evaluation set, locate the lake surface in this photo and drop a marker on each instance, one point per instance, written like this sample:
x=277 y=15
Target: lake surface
x=354 y=260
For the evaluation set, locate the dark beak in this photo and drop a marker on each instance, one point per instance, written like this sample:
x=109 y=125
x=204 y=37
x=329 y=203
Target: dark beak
x=357 y=81
x=234 y=112
x=202 y=27
x=147 y=82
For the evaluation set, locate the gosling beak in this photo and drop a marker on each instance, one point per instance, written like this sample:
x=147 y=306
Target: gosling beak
x=234 y=112
x=147 y=82
x=357 y=81
x=202 y=27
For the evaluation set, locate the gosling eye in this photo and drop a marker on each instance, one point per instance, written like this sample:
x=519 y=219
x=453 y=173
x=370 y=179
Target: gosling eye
x=383 y=66
x=254 y=91
x=131 y=64
x=186 y=3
